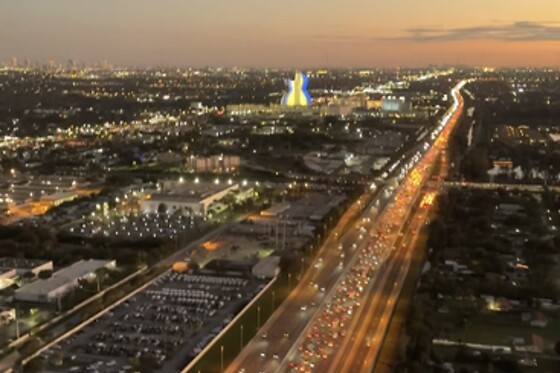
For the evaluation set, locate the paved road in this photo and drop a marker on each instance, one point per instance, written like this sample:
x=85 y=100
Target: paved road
x=334 y=341
x=7 y=362
x=287 y=323
x=493 y=186
x=290 y=330
x=359 y=353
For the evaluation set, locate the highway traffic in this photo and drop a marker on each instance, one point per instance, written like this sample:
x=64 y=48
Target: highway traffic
x=355 y=281
x=358 y=353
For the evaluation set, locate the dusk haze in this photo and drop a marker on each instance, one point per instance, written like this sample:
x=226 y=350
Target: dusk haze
x=256 y=186
x=253 y=33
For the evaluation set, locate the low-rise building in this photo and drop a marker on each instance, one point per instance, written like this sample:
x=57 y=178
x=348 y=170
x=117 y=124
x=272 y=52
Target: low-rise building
x=59 y=198
x=267 y=268
x=186 y=198
x=7 y=315
x=7 y=277
x=12 y=268
x=62 y=281
x=275 y=210
x=214 y=163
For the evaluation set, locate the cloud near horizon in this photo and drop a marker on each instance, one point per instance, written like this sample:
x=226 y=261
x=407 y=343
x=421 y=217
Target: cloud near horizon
x=517 y=31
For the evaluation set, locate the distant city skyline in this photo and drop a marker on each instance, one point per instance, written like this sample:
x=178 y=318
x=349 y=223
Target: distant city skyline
x=251 y=33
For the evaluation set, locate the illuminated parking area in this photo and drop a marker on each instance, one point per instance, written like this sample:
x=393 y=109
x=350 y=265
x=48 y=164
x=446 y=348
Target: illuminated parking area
x=169 y=322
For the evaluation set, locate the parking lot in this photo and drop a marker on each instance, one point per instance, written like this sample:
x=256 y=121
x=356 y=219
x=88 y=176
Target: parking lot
x=135 y=226
x=169 y=323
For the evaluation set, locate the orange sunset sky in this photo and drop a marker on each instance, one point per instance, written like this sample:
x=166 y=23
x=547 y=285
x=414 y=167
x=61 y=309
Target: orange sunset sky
x=288 y=33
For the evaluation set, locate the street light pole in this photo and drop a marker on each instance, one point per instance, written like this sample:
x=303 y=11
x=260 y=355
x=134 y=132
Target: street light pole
x=273 y=295
x=17 y=321
x=258 y=317
x=242 y=337
x=222 y=358
x=290 y=281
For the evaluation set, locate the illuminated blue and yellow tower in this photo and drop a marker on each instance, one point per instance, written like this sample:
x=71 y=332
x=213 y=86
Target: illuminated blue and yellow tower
x=297 y=94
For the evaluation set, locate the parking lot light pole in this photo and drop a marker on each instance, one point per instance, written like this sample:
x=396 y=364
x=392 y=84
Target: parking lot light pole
x=273 y=295
x=258 y=317
x=241 y=336
x=222 y=358
x=17 y=321
x=290 y=281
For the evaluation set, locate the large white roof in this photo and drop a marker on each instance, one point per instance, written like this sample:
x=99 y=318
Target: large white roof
x=64 y=276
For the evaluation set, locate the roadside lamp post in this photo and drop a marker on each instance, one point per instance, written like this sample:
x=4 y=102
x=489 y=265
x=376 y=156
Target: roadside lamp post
x=290 y=281
x=222 y=357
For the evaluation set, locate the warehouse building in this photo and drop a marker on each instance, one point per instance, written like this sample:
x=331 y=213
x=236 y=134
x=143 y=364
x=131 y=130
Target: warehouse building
x=62 y=281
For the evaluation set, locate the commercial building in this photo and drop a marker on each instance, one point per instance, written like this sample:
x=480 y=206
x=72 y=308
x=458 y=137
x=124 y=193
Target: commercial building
x=267 y=268
x=61 y=282
x=297 y=94
x=275 y=210
x=59 y=198
x=12 y=268
x=186 y=198
x=272 y=110
x=392 y=104
x=7 y=277
x=36 y=189
x=7 y=315
x=215 y=163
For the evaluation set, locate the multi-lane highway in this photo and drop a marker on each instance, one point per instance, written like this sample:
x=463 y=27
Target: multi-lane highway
x=336 y=318
x=266 y=351
x=358 y=351
x=535 y=188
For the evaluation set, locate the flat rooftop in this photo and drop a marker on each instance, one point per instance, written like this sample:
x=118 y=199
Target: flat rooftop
x=20 y=263
x=190 y=190
x=64 y=276
x=82 y=268
x=312 y=206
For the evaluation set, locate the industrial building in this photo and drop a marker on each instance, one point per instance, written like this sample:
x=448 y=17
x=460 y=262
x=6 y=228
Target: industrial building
x=62 y=281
